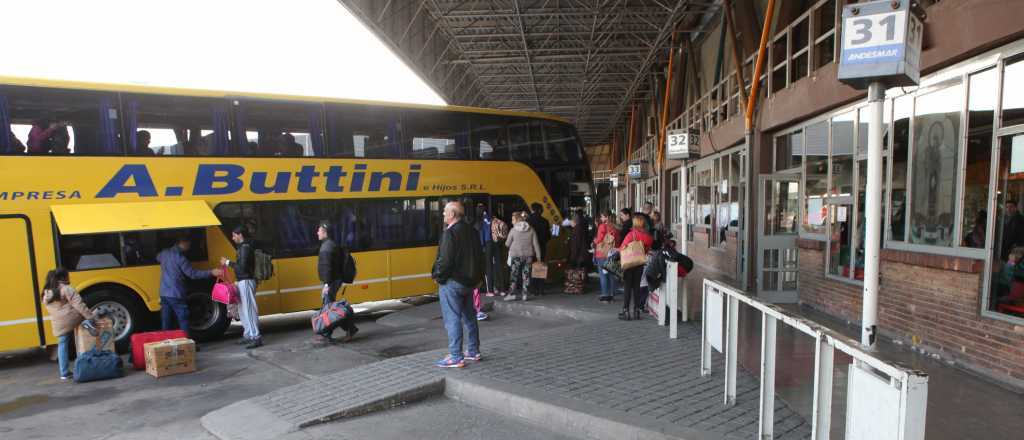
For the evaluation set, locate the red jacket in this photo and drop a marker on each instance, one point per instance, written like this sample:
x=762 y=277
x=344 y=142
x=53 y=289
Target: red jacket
x=602 y=230
x=637 y=234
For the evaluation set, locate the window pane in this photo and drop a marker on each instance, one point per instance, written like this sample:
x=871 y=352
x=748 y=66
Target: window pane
x=839 y=240
x=842 y=155
x=490 y=137
x=934 y=166
x=433 y=134
x=363 y=131
x=61 y=122
x=296 y=226
x=1007 y=251
x=1013 y=92
x=561 y=145
x=816 y=173
x=278 y=129
x=900 y=153
x=177 y=125
x=96 y=251
x=980 y=120
x=258 y=218
x=525 y=137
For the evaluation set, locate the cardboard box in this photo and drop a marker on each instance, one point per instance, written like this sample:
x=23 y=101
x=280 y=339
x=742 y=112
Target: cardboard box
x=170 y=357
x=104 y=339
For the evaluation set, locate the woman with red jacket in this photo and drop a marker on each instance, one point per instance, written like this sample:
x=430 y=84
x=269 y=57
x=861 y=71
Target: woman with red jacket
x=631 y=276
x=607 y=230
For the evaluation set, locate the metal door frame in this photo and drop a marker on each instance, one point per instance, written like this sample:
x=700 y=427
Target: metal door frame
x=765 y=242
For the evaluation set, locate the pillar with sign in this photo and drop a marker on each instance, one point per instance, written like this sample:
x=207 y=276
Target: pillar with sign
x=881 y=47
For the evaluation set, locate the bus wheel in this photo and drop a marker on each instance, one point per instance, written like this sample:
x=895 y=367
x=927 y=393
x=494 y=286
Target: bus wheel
x=207 y=319
x=123 y=309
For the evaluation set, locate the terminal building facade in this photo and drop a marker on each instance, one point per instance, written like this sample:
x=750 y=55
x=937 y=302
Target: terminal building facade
x=783 y=215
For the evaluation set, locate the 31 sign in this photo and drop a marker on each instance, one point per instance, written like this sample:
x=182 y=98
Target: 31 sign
x=881 y=42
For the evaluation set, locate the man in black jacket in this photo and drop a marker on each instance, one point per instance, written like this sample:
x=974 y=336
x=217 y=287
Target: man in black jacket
x=245 y=268
x=329 y=265
x=541 y=226
x=457 y=270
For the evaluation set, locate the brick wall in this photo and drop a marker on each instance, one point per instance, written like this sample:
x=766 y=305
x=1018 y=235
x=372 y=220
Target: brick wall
x=721 y=259
x=936 y=310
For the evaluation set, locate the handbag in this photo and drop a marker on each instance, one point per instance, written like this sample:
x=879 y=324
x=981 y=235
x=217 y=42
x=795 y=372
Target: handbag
x=225 y=292
x=606 y=245
x=539 y=270
x=634 y=255
x=613 y=265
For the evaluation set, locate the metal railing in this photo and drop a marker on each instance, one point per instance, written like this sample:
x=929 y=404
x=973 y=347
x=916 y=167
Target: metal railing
x=884 y=400
x=669 y=300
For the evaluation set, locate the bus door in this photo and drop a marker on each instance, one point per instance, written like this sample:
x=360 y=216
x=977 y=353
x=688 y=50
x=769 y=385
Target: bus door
x=20 y=308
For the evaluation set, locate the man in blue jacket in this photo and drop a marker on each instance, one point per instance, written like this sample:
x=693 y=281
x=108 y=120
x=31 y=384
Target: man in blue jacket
x=175 y=270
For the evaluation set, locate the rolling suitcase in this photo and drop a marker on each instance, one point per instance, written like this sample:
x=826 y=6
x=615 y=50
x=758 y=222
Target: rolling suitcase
x=140 y=339
x=574 y=279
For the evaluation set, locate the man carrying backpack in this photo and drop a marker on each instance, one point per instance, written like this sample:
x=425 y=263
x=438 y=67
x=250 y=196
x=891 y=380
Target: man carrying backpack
x=245 y=274
x=331 y=266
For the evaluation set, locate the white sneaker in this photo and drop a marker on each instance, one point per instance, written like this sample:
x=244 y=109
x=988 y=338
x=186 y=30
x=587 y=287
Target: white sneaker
x=524 y=297
x=510 y=297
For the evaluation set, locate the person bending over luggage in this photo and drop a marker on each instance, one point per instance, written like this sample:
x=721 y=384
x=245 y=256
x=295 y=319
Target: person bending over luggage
x=329 y=267
x=175 y=271
x=245 y=270
x=67 y=310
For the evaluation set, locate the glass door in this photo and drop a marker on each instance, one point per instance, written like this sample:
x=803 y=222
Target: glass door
x=779 y=214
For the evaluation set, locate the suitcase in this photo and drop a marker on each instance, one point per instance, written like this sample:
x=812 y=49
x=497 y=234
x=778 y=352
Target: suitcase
x=331 y=316
x=98 y=365
x=574 y=279
x=140 y=339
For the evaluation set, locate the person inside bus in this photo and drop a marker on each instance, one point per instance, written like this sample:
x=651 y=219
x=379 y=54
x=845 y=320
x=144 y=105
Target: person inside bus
x=175 y=271
x=143 y=138
x=66 y=310
x=289 y=147
x=40 y=138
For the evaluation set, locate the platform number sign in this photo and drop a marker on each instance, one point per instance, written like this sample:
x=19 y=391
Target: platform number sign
x=681 y=145
x=881 y=41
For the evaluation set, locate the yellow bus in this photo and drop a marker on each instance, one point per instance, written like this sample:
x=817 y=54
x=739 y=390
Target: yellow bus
x=98 y=178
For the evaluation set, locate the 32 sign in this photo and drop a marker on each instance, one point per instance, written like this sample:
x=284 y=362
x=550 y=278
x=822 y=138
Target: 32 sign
x=881 y=40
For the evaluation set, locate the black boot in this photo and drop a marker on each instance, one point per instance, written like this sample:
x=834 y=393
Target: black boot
x=636 y=314
x=624 y=315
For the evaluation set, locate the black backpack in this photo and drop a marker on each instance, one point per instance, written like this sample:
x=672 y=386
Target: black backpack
x=348 y=266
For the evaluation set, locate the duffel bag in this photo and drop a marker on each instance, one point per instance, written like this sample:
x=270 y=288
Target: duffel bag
x=98 y=365
x=330 y=316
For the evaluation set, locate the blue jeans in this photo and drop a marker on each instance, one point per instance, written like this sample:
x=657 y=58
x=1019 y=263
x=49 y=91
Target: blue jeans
x=171 y=310
x=63 y=353
x=608 y=280
x=458 y=313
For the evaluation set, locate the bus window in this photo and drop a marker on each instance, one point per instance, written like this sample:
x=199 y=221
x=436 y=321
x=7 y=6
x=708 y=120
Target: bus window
x=60 y=122
x=363 y=131
x=433 y=134
x=503 y=206
x=176 y=126
x=525 y=139
x=296 y=223
x=490 y=137
x=560 y=145
x=257 y=219
x=93 y=251
x=278 y=129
